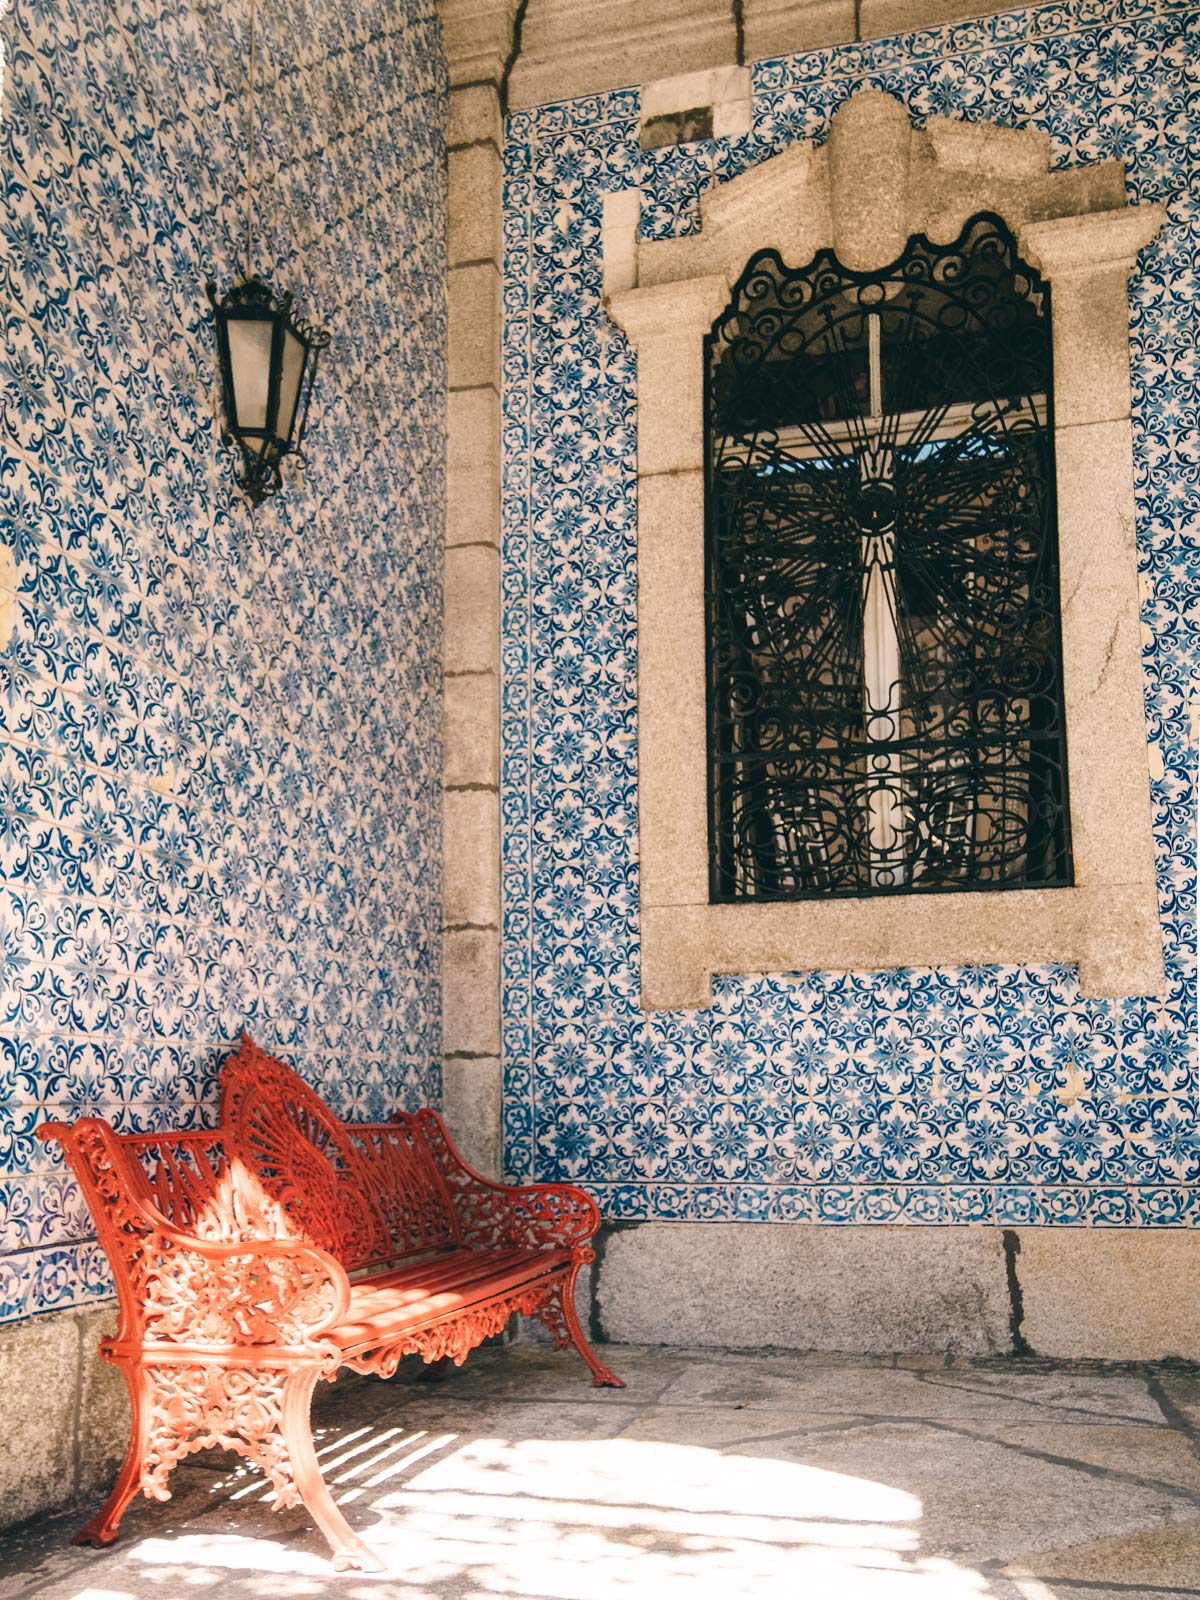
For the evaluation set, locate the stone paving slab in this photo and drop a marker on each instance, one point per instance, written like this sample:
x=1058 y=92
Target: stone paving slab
x=1163 y=1558
x=959 y=1392
x=711 y=1477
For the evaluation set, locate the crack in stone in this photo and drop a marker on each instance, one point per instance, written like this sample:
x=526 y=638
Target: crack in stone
x=1011 y=1240
x=1177 y=1420
x=823 y=1431
x=1104 y=1588
x=1073 y=591
x=867 y=1420
x=513 y=55
x=1098 y=1418
x=1108 y=655
x=1089 y=1469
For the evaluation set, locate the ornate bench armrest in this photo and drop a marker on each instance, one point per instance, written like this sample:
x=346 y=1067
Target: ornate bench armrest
x=249 y=1292
x=554 y=1214
x=249 y=1288
x=536 y=1215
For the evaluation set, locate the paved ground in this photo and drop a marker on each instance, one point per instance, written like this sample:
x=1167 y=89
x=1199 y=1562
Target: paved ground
x=712 y=1475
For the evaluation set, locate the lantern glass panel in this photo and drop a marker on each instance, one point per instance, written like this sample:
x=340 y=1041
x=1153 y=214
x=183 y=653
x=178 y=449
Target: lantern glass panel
x=250 y=364
x=294 y=352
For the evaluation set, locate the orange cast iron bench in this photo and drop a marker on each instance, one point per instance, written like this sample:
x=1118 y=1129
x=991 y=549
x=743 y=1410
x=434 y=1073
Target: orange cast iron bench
x=255 y=1258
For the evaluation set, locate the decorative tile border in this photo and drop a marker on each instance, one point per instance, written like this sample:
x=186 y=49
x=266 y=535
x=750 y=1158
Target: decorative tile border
x=846 y=1205
x=1024 y=26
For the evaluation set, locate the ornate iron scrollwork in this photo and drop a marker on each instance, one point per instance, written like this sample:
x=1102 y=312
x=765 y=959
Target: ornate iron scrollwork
x=885 y=679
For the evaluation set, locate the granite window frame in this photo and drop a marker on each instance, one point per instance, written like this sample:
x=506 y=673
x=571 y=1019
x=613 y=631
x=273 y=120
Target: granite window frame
x=874 y=183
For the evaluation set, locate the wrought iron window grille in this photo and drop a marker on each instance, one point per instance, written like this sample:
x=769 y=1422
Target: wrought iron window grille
x=884 y=664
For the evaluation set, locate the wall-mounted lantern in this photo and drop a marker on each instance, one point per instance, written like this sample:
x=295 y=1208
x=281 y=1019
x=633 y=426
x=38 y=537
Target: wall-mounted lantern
x=268 y=364
x=268 y=358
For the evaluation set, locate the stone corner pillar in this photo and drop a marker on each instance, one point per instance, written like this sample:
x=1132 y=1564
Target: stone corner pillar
x=477 y=36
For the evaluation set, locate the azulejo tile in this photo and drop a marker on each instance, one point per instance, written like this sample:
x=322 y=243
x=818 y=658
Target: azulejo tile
x=218 y=731
x=993 y=1094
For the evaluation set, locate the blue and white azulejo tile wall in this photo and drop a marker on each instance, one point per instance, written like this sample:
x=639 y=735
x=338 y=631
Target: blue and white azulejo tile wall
x=992 y=1094
x=219 y=762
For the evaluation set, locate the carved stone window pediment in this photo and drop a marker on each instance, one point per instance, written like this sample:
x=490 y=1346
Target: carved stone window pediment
x=875 y=183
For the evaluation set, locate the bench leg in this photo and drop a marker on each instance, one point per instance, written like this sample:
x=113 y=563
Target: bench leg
x=348 y=1549
x=103 y=1527
x=558 y=1313
x=262 y=1414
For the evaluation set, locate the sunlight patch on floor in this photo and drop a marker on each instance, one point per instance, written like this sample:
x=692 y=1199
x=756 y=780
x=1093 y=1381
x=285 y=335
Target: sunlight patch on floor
x=586 y=1520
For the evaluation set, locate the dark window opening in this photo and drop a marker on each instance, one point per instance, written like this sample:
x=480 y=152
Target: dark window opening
x=884 y=664
x=677 y=127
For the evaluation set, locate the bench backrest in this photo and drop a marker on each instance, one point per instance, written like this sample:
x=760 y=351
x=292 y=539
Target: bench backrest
x=184 y=1173
x=368 y=1193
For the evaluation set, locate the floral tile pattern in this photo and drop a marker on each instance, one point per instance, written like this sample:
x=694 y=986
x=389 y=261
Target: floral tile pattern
x=219 y=733
x=993 y=1094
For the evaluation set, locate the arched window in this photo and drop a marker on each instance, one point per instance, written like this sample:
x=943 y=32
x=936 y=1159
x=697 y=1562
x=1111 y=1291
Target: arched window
x=885 y=704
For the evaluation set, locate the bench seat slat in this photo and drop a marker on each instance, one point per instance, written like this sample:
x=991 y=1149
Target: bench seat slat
x=426 y=1292
x=459 y=1266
